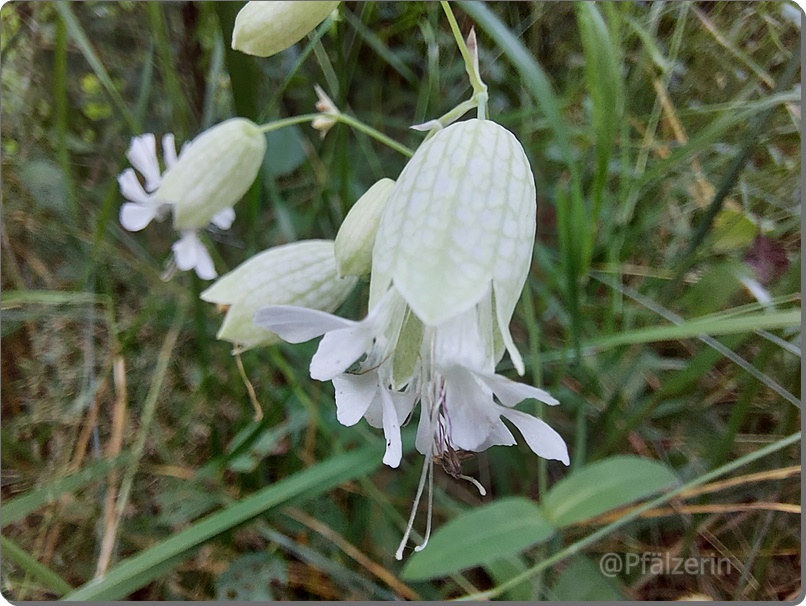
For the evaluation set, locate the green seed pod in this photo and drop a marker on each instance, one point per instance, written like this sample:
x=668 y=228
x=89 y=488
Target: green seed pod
x=357 y=233
x=301 y=273
x=265 y=28
x=212 y=173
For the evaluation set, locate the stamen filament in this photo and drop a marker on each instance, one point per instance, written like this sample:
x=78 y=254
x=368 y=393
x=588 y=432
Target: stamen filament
x=410 y=525
x=430 y=506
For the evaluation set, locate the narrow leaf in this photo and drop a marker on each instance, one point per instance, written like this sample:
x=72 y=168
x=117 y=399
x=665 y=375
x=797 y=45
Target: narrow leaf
x=149 y=564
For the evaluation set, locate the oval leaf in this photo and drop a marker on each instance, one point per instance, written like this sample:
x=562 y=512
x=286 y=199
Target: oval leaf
x=493 y=531
x=605 y=485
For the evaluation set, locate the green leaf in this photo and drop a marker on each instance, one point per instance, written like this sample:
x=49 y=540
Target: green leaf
x=483 y=535
x=605 y=485
x=583 y=581
x=502 y=570
x=149 y=564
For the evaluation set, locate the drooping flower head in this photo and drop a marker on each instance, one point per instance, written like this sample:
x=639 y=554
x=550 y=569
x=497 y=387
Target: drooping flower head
x=200 y=186
x=451 y=254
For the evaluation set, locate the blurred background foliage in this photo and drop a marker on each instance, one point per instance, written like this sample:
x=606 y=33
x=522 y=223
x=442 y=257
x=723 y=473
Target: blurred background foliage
x=662 y=308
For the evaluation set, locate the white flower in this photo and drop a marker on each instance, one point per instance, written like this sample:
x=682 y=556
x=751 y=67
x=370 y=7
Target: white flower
x=266 y=28
x=301 y=273
x=451 y=255
x=141 y=207
x=200 y=186
x=371 y=390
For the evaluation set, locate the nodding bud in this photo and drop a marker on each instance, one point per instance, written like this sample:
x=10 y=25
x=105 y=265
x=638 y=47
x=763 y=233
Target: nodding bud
x=328 y=112
x=301 y=273
x=266 y=28
x=212 y=173
x=356 y=235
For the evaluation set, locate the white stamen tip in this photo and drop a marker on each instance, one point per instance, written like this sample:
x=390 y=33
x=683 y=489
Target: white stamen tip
x=476 y=483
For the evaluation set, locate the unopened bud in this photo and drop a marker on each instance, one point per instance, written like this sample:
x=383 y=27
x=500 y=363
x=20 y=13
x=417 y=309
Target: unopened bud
x=301 y=273
x=356 y=235
x=266 y=28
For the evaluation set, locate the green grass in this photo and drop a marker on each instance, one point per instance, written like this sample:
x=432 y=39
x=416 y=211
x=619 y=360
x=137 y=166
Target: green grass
x=128 y=431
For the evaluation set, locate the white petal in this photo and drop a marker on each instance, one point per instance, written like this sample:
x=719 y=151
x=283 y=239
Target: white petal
x=391 y=431
x=499 y=436
x=169 y=150
x=339 y=349
x=354 y=394
x=469 y=408
x=298 y=324
x=143 y=156
x=134 y=217
x=204 y=267
x=224 y=219
x=186 y=251
x=511 y=393
x=374 y=414
x=131 y=189
x=541 y=438
x=503 y=327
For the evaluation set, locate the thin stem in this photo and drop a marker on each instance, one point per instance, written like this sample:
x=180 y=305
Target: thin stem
x=282 y=123
x=471 y=64
x=345 y=119
x=375 y=134
x=457 y=34
x=633 y=515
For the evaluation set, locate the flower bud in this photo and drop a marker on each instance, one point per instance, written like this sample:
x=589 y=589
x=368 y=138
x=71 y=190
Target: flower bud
x=301 y=273
x=212 y=173
x=356 y=235
x=266 y=28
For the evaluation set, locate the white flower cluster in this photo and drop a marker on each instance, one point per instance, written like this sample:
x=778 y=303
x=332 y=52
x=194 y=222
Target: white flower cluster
x=451 y=244
x=447 y=247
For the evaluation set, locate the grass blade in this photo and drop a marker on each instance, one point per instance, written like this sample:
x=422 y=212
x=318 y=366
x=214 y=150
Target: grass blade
x=148 y=564
x=78 y=35
x=39 y=571
x=17 y=508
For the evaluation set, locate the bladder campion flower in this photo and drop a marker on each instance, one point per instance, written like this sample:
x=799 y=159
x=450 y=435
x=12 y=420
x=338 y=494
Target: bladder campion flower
x=200 y=186
x=451 y=255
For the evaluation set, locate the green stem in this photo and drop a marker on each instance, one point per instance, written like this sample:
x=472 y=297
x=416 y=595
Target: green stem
x=344 y=119
x=375 y=134
x=479 y=88
x=632 y=516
